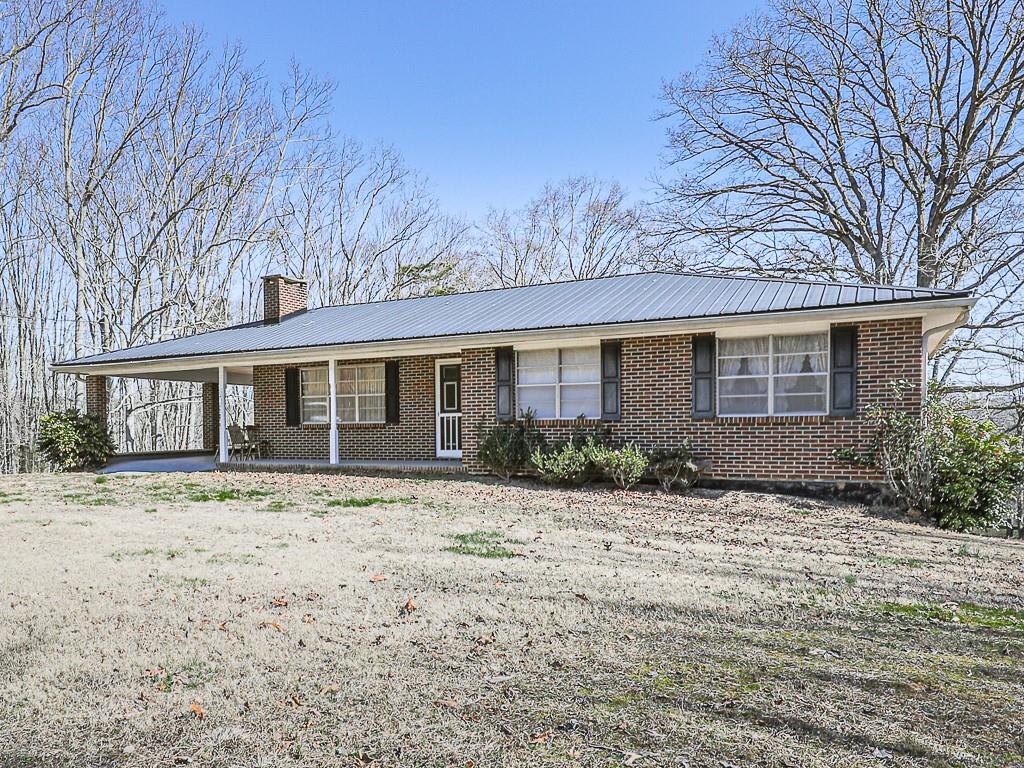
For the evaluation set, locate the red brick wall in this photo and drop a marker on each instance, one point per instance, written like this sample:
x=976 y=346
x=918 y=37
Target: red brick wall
x=411 y=439
x=97 y=397
x=211 y=416
x=656 y=407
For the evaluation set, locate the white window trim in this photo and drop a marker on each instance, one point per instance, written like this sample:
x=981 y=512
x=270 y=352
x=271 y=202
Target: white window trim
x=303 y=399
x=327 y=397
x=771 y=378
x=558 y=384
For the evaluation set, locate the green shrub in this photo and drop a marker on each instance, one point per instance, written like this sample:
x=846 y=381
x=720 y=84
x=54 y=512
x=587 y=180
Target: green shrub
x=71 y=441
x=953 y=468
x=674 y=467
x=506 y=448
x=624 y=466
x=566 y=464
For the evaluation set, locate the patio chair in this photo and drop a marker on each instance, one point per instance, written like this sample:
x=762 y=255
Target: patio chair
x=239 y=446
x=258 y=446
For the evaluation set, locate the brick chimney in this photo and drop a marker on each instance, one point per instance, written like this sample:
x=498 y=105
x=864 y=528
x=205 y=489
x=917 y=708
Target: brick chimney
x=283 y=296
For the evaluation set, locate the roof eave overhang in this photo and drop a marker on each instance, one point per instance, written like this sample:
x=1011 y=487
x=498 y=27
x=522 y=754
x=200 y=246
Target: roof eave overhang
x=455 y=343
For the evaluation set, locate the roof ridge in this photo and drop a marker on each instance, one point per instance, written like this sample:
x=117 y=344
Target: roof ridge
x=679 y=273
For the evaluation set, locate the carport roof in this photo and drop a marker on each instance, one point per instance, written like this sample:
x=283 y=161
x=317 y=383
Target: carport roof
x=623 y=299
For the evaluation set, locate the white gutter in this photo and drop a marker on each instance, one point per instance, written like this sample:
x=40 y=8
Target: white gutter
x=455 y=343
x=946 y=329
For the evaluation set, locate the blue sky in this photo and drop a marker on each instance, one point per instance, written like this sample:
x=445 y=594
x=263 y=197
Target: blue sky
x=489 y=100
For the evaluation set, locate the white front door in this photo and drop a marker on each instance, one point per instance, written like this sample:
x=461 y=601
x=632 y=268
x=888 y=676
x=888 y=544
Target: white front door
x=448 y=377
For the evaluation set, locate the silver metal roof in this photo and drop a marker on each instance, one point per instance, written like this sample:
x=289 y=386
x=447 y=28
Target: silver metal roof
x=647 y=296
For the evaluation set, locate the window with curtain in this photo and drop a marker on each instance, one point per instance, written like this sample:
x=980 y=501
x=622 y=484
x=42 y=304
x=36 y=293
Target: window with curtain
x=559 y=383
x=773 y=375
x=313 y=395
x=360 y=394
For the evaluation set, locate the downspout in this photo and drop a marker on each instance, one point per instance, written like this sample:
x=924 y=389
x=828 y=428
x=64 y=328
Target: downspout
x=946 y=328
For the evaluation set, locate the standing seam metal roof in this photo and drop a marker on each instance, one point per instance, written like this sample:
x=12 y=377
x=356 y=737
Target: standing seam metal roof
x=647 y=296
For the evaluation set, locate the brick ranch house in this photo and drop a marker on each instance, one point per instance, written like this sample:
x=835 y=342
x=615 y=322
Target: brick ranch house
x=765 y=377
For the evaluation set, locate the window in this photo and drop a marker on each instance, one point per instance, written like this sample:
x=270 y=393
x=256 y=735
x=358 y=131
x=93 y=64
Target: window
x=313 y=385
x=773 y=375
x=559 y=383
x=360 y=394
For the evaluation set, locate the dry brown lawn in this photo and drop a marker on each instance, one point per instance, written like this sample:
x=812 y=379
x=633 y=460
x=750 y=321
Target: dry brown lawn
x=265 y=620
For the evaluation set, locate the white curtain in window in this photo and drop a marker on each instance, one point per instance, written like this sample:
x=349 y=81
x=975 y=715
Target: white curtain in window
x=370 y=382
x=540 y=400
x=559 y=383
x=801 y=354
x=313 y=395
x=361 y=393
x=800 y=365
x=743 y=367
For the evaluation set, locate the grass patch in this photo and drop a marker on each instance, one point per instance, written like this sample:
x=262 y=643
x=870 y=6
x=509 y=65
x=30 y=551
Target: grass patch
x=194 y=674
x=364 y=501
x=124 y=554
x=229 y=494
x=222 y=558
x=482 y=544
x=11 y=497
x=319 y=513
x=101 y=480
x=89 y=500
x=965 y=614
x=903 y=562
x=965 y=551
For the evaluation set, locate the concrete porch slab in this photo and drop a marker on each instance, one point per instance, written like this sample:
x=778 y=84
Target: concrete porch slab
x=160 y=463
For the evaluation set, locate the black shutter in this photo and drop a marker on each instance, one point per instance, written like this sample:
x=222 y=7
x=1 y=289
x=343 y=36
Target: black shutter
x=503 y=379
x=292 y=406
x=703 y=377
x=611 y=379
x=391 y=391
x=844 y=371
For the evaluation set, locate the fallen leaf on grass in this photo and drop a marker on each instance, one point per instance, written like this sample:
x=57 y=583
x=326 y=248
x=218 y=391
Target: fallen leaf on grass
x=543 y=737
x=332 y=688
x=273 y=625
x=377 y=578
x=280 y=602
x=408 y=608
x=198 y=711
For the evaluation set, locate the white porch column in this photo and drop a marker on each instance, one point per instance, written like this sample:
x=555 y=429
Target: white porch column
x=222 y=405
x=332 y=380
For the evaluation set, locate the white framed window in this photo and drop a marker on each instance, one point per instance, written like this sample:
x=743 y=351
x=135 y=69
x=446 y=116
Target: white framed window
x=313 y=393
x=773 y=375
x=559 y=383
x=360 y=394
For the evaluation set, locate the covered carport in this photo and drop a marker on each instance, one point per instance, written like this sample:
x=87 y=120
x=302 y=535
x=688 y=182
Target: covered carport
x=214 y=381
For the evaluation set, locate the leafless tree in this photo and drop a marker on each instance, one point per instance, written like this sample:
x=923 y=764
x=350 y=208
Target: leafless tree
x=29 y=30
x=364 y=227
x=138 y=199
x=874 y=140
x=579 y=228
